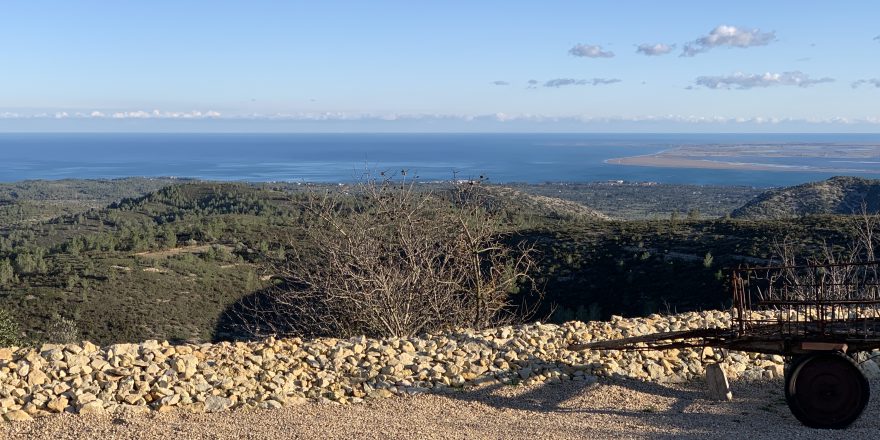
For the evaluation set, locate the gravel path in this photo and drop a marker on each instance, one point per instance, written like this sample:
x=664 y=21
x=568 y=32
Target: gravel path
x=575 y=410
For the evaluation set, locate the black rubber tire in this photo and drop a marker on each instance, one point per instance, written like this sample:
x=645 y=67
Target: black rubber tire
x=826 y=390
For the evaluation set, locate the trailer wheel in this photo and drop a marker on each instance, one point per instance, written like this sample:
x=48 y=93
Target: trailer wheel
x=826 y=390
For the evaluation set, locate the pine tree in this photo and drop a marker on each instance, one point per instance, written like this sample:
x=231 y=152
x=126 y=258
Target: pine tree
x=7 y=273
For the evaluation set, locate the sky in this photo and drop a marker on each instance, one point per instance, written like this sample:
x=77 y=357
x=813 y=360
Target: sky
x=639 y=66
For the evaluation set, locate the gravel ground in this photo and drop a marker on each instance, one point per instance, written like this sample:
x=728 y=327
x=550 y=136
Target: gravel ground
x=571 y=409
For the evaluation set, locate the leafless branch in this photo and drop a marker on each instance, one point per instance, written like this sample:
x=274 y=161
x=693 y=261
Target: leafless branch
x=390 y=258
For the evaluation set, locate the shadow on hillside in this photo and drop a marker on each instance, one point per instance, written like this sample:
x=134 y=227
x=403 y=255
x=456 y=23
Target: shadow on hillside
x=255 y=313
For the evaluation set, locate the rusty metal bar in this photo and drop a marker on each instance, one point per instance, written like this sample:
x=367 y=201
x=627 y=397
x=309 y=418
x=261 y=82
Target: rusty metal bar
x=786 y=310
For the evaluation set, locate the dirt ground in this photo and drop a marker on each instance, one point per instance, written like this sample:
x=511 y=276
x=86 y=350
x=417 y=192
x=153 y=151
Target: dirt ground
x=568 y=410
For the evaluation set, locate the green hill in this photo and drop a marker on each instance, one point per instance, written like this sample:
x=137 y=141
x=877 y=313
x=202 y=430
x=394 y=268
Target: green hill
x=170 y=264
x=837 y=195
x=163 y=265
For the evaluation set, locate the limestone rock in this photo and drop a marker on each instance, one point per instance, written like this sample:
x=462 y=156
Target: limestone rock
x=719 y=388
x=58 y=404
x=95 y=407
x=17 y=416
x=155 y=375
x=217 y=403
x=7 y=402
x=36 y=378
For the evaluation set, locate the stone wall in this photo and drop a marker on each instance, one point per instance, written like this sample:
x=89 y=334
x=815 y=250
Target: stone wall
x=86 y=379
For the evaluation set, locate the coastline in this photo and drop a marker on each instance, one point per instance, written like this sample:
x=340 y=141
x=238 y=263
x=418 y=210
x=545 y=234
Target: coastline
x=658 y=160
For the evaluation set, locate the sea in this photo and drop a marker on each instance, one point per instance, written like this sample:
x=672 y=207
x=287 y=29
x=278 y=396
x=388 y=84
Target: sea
x=345 y=157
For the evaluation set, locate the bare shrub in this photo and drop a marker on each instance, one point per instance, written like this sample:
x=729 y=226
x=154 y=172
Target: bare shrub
x=862 y=226
x=388 y=257
x=833 y=266
x=61 y=330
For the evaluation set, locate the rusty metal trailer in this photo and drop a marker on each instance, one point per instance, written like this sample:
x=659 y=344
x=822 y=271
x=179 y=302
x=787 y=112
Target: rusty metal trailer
x=817 y=316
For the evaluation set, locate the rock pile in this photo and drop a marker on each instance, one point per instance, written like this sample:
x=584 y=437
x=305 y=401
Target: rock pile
x=87 y=379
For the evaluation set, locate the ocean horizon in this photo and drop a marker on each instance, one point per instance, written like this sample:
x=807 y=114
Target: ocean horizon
x=343 y=157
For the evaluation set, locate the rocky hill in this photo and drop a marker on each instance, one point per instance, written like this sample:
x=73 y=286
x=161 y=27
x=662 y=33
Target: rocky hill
x=837 y=195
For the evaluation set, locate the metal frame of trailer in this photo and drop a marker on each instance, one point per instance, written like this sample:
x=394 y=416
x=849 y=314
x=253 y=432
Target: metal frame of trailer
x=817 y=316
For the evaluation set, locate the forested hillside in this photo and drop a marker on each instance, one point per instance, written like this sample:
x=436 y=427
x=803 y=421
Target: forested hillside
x=32 y=200
x=171 y=263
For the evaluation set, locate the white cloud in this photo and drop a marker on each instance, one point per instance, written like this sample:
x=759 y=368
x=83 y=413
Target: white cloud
x=590 y=51
x=729 y=36
x=654 y=49
x=139 y=114
x=866 y=82
x=560 y=82
x=129 y=114
x=568 y=120
x=743 y=81
x=159 y=114
x=501 y=83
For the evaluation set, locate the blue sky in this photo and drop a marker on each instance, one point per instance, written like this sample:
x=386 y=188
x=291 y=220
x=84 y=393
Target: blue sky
x=439 y=66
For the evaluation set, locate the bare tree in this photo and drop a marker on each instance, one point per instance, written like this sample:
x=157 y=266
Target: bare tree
x=389 y=257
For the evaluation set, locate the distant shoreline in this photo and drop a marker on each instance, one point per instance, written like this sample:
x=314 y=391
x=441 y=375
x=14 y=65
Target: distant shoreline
x=666 y=159
x=502 y=158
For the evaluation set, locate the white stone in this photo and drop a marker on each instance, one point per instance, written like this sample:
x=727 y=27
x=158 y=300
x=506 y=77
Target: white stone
x=716 y=379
